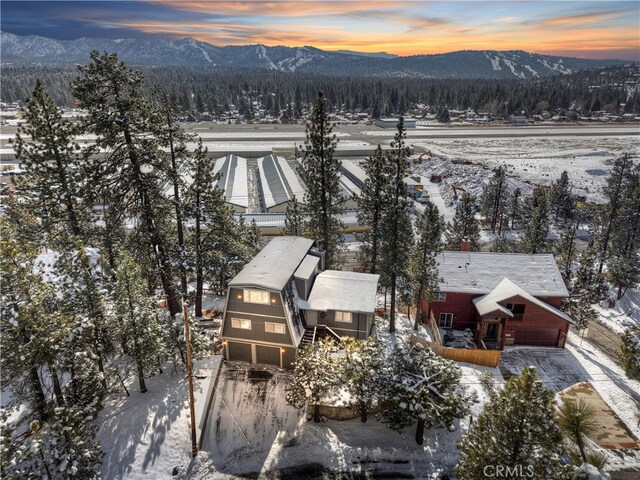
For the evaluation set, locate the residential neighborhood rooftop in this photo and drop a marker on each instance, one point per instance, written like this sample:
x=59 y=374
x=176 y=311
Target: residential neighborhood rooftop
x=275 y=264
x=306 y=268
x=506 y=289
x=343 y=291
x=480 y=272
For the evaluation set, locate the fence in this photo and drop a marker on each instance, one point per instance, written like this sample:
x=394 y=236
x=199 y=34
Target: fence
x=488 y=358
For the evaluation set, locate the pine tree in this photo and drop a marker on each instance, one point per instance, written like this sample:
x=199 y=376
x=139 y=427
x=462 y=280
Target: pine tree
x=295 y=223
x=536 y=218
x=321 y=172
x=212 y=219
x=396 y=230
x=138 y=323
x=464 y=226
x=616 y=189
x=423 y=388
x=587 y=281
x=370 y=207
x=561 y=203
x=515 y=211
x=58 y=190
x=423 y=264
x=577 y=420
x=172 y=136
x=630 y=352
x=494 y=200
x=501 y=245
x=624 y=262
x=517 y=429
x=314 y=375
x=31 y=332
x=123 y=121
x=360 y=366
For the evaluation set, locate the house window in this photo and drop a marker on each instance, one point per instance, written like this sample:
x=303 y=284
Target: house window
x=446 y=320
x=256 y=296
x=271 y=327
x=518 y=309
x=344 y=317
x=442 y=297
x=242 y=323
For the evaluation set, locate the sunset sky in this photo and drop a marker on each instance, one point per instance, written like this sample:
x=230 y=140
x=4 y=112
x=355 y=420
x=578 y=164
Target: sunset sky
x=604 y=29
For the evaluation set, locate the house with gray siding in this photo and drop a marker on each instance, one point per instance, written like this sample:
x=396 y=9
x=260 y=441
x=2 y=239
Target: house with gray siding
x=282 y=299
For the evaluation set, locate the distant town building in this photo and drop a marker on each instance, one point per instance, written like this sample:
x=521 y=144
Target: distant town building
x=393 y=122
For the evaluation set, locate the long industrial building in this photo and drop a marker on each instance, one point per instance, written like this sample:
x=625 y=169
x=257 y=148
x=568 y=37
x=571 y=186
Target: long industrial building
x=278 y=183
x=233 y=181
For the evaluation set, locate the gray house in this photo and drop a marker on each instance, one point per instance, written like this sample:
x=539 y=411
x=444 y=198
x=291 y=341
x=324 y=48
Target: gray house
x=282 y=300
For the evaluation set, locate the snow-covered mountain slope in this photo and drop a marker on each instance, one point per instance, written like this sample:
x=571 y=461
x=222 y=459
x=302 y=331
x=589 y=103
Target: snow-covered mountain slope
x=191 y=52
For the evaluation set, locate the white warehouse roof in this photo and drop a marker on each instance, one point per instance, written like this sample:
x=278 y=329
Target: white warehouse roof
x=354 y=172
x=233 y=179
x=278 y=181
x=480 y=272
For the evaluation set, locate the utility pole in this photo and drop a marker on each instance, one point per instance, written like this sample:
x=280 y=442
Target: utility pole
x=187 y=336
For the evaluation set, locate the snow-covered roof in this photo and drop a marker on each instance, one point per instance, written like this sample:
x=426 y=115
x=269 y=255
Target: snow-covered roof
x=233 y=179
x=348 y=188
x=343 y=291
x=275 y=264
x=506 y=289
x=307 y=267
x=480 y=272
x=353 y=171
x=278 y=181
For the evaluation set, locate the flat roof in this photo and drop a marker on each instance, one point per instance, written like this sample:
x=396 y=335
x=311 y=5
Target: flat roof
x=480 y=272
x=307 y=267
x=275 y=264
x=233 y=179
x=348 y=188
x=343 y=291
x=278 y=181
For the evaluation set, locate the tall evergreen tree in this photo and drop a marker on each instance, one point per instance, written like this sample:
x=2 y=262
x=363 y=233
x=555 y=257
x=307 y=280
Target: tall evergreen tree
x=371 y=203
x=630 y=352
x=423 y=264
x=536 y=217
x=616 y=189
x=295 y=223
x=59 y=192
x=517 y=429
x=396 y=228
x=362 y=362
x=561 y=203
x=321 y=172
x=173 y=137
x=494 y=200
x=314 y=375
x=122 y=119
x=515 y=211
x=423 y=388
x=138 y=322
x=464 y=226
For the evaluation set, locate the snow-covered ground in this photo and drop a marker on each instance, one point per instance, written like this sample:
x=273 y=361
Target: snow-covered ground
x=625 y=313
x=588 y=160
x=147 y=434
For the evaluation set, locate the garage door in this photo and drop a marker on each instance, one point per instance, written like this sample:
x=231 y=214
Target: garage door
x=240 y=351
x=546 y=337
x=268 y=355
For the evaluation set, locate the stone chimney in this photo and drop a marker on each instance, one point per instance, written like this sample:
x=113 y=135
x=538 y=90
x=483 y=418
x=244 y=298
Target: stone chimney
x=465 y=246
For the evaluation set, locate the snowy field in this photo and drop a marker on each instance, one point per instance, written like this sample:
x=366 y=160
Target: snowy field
x=625 y=313
x=588 y=160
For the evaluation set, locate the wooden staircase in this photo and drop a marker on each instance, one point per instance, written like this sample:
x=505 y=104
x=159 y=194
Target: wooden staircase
x=311 y=334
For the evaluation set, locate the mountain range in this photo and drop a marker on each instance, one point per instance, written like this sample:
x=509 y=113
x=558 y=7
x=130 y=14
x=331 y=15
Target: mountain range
x=33 y=49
